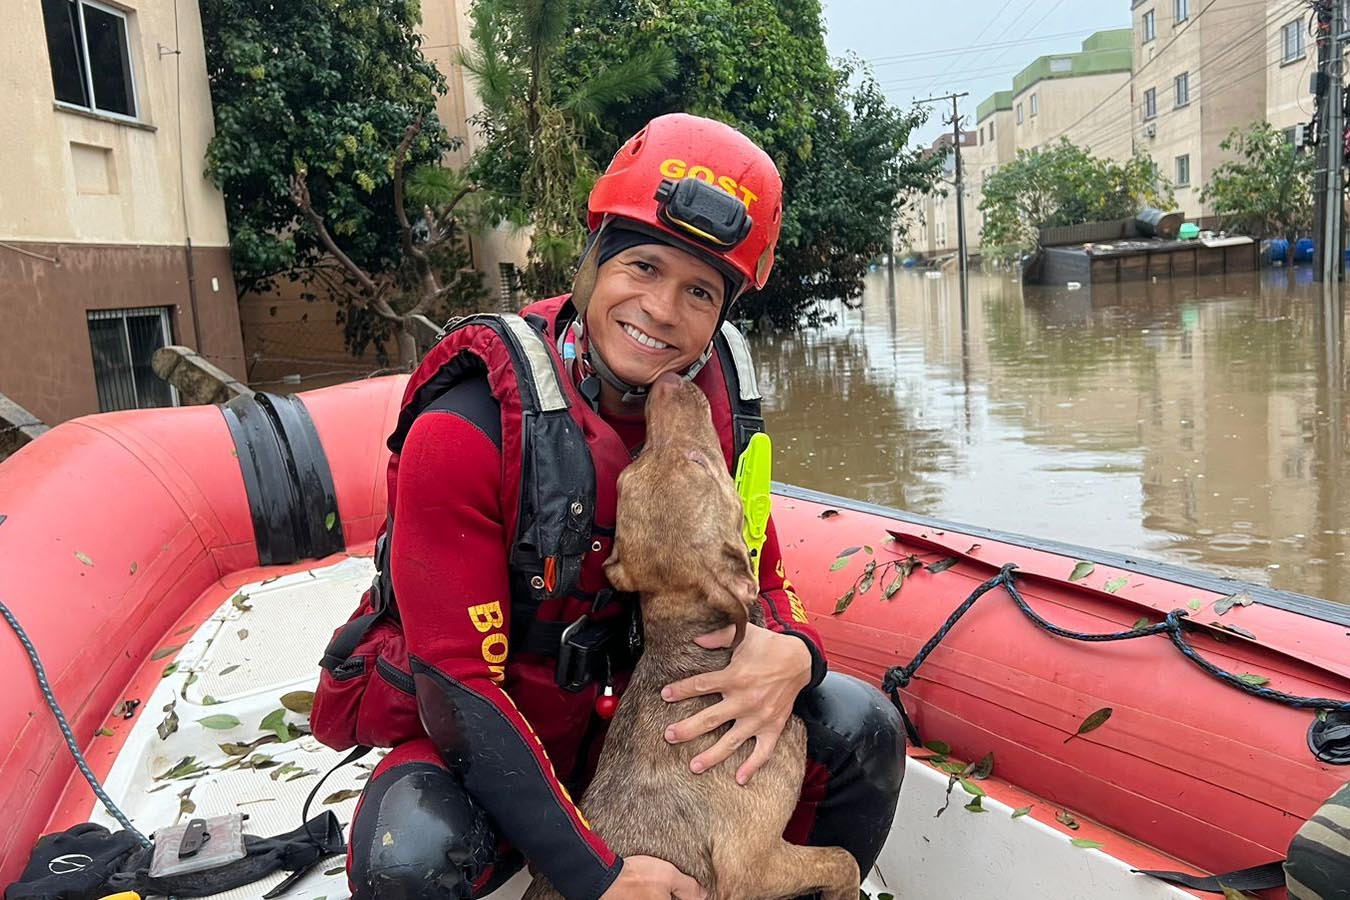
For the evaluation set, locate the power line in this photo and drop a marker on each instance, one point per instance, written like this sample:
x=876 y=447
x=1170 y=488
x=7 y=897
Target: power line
x=960 y=51
x=975 y=43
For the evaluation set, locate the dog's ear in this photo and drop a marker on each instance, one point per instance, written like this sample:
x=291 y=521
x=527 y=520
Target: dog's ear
x=734 y=589
x=616 y=573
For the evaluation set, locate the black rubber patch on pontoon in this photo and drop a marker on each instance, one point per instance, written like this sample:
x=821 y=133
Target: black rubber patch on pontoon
x=1313 y=607
x=290 y=487
x=1329 y=738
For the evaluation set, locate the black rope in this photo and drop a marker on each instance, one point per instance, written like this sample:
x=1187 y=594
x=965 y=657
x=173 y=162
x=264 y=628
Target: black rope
x=61 y=723
x=1174 y=625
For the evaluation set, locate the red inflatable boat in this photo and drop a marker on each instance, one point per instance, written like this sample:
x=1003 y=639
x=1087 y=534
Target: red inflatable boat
x=180 y=570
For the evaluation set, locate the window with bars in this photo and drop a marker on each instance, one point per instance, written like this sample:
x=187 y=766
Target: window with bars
x=89 y=46
x=510 y=284
x=123 y=342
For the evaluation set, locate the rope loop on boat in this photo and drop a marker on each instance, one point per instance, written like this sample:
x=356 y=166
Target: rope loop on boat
x=1174 y=625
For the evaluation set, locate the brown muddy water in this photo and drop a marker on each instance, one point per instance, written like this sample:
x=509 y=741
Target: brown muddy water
x=1200 y=422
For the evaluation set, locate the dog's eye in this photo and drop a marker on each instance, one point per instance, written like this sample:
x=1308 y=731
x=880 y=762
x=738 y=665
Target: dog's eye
x=698 y=457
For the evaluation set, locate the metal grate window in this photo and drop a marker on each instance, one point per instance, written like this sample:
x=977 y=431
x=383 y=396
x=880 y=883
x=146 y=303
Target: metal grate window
x=123 y=342
x=510 y=283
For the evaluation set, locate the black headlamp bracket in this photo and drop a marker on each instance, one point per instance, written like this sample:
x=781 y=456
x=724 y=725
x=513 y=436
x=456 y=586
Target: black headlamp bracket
x=704 y=213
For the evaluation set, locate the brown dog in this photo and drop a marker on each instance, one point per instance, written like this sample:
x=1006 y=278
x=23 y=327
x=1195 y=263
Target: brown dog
x=679 y=544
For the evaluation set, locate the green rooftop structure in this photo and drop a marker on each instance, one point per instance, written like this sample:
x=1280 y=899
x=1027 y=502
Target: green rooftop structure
x=1103 y=52
x=995 y=102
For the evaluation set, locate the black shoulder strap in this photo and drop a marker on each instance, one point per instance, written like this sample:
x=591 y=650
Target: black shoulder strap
x=742 y=386
x=557 y=490
x=1257 y=878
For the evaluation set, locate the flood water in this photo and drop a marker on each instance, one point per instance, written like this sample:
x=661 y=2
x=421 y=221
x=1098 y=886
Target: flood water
x=1199 y=422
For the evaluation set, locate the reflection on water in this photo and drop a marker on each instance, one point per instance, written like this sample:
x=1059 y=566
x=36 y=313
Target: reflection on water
x=1200 y=422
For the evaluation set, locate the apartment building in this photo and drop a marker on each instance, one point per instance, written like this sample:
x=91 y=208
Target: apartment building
x=1201 y=71
x=995 y=146
x=1083 y=96
x=1291 y=61
x=934 y=232
x=112 y=243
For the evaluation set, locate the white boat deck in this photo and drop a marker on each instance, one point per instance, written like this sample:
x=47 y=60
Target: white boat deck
x=265 y=643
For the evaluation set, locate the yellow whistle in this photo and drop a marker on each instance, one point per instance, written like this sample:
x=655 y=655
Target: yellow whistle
x=124 y=895
x=754 y=472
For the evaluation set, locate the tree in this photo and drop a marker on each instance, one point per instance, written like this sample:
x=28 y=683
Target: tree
x=1268 y=190
x=1064 y=185
x=327 y=150
x=762 y=66
x=532 y=161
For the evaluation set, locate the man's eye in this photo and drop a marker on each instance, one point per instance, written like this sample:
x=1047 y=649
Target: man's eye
x=642 y=266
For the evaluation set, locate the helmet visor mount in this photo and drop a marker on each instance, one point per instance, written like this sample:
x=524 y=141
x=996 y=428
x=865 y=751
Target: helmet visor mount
x=703 y=213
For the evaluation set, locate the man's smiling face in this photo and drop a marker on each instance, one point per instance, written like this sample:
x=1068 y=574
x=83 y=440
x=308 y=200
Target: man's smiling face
x=653 y=310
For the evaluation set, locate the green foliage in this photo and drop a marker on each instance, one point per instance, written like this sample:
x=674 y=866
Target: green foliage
x=1268 y=190
x=1064 y=185
x=321 y=94
x=760 y=65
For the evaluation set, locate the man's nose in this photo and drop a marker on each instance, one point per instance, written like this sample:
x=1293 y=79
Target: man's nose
x=661 y=303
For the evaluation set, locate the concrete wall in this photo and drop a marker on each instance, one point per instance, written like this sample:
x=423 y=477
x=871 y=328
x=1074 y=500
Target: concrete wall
x=96 y=211
x=1288 y=98
x=1224 y=53
x=1090 y=110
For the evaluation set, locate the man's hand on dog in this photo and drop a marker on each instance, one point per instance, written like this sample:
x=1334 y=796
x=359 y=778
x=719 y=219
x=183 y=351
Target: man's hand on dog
x=649 y=878
x=758 y=688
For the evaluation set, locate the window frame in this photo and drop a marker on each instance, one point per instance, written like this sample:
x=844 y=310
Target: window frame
x=1150 y=104
x=1035 y=105
x=1178 y=81
x=1176 y=170
x=1294 y=28
x=1181 y=11
x=88 y=70
x=121 y=315
x=1020 y=119
x=1150 y=23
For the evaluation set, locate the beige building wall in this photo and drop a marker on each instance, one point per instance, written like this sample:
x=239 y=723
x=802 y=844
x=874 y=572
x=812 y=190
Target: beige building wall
x=1291 y=60
x=935 y=232
x=446 y=27
x=1090 y=110
x=1222 y=50
x=96 y=210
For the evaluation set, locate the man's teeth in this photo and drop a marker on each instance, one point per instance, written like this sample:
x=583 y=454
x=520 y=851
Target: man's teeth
x=644 y=339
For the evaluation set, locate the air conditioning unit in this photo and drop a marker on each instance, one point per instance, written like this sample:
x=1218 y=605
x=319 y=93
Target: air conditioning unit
x=1150 y=130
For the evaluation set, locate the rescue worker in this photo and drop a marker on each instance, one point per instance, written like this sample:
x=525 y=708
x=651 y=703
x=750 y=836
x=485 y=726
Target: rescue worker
x=512 y=679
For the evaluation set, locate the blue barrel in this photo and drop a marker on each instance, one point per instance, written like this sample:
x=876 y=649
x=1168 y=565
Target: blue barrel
x=1279 y=250
x=1303 y=250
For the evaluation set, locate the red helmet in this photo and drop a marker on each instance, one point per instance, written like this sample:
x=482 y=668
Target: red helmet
x=677 y=177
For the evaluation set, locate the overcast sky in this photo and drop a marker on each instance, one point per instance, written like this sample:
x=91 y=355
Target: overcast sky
x=904 y=41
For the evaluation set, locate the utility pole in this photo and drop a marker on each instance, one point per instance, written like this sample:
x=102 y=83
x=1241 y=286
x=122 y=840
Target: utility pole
x=963 y=257
x=1329 y=185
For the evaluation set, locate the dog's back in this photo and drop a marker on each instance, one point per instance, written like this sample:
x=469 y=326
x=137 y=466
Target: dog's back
x=679 y=544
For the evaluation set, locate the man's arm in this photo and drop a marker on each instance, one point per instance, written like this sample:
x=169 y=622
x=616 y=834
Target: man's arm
x=449 y=568
x=783 y=610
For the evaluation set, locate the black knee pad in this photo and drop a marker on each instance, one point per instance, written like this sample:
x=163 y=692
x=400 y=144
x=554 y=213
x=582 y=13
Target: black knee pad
x=419 y=836
x=852 y=723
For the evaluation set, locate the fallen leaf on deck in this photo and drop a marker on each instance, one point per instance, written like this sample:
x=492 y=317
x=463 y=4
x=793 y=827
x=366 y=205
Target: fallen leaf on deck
x=1087 y=844
x=169 y=670
x=1066 y=820
x=1237 y=629
x=848 y=551
x=170 y=723
x=186 y=806
x=893 y=588
x=975 y=806
x=165 y=651
x=133 y=569
x=1194 y=604
x=275 y=722
x=240 y=602
x=838 y=564
x=188 y=765
x=298 y=702
x=1141 y=623
x=339 y=796
x=971 y=787
x=1081 y=570
x=208 y=700
x=1257 y=680
x=984 y=768
x=83 y=558
x=1092 y=722
x=243 y=634
x=329 y=521
x=938 y=747
x=828 y=514
x=220 y=721
x=844 y=601
x=1021 y=811
x=126 y=709
x=228 y=669
x=105 y=732
x=865 y=583
x=1224 y=604
x=1116 y=584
